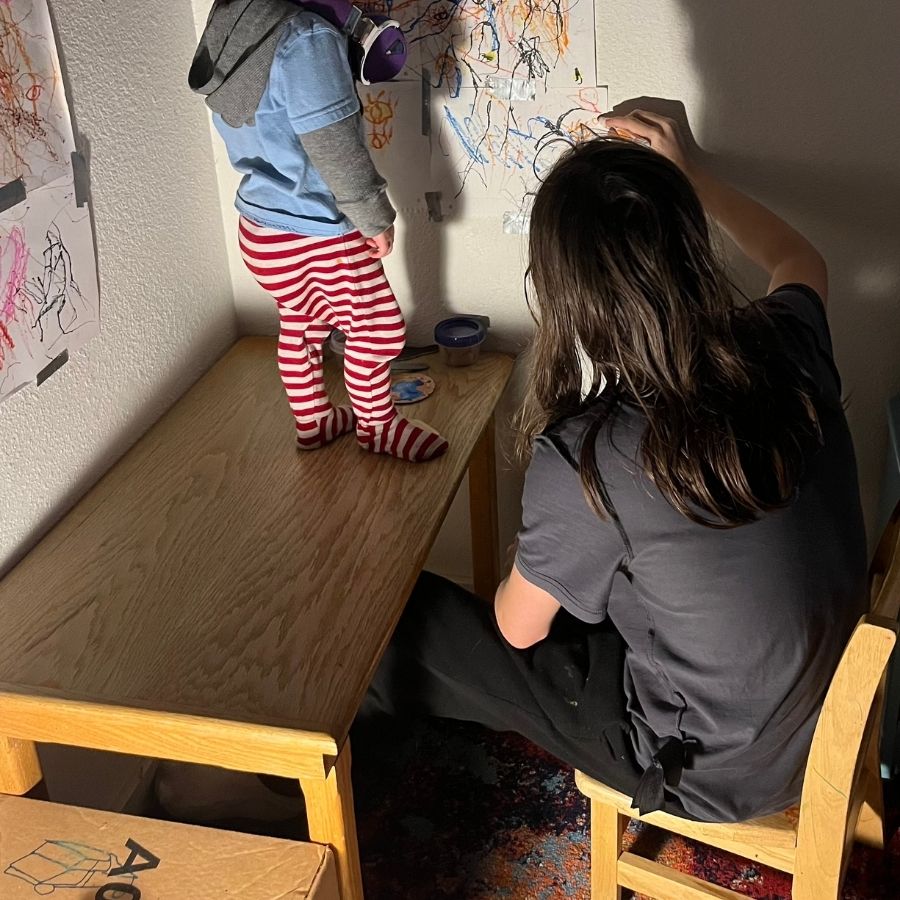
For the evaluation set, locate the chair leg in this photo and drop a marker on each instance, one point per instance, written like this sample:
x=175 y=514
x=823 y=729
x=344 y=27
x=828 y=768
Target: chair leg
x=821 y=854
x=607 y=827
x=816 y=885
x=870 y=825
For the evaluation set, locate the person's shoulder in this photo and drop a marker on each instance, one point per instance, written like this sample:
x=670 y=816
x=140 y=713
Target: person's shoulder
x=801 y=301
x=617 y=431
x=799 y=313
x=307 y=26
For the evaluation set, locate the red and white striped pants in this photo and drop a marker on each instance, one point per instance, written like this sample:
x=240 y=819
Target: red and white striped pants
x=319 y=284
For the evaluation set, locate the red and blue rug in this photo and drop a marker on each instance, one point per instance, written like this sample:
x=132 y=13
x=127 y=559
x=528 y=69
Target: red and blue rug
x=451 y=811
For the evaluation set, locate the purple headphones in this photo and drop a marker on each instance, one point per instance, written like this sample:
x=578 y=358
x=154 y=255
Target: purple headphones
x=380 y=46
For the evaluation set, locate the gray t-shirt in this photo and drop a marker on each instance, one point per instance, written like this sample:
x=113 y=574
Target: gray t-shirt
x=733 y=635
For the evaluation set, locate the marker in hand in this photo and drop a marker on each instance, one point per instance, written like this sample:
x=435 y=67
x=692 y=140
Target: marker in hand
x=623 y=133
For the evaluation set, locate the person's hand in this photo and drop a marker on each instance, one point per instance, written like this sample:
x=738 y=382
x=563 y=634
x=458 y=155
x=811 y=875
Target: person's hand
x=663 y=134
x=382 y=244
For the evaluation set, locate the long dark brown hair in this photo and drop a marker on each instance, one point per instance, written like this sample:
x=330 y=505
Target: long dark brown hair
x=627 y=284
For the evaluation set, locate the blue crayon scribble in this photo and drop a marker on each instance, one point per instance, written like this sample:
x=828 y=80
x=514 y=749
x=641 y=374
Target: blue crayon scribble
x=463 y=136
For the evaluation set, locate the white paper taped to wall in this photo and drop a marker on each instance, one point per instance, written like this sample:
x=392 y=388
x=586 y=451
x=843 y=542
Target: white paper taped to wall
x=49 y=294
x=36 y=137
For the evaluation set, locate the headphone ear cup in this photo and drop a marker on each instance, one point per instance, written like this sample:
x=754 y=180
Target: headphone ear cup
x=385 y=55
x=355 y=54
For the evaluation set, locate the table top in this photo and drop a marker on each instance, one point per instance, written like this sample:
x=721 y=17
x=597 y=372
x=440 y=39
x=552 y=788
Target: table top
x=215 y=571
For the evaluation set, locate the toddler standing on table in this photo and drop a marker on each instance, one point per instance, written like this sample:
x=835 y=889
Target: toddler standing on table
x=315 y=216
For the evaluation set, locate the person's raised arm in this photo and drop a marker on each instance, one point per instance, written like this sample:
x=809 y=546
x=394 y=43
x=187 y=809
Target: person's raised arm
x=780 y=250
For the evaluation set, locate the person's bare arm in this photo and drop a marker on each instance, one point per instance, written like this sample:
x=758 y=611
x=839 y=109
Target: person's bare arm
x=524 y=611
x=780 y=250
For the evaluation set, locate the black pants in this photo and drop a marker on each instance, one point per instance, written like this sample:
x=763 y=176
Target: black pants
x=448 y=659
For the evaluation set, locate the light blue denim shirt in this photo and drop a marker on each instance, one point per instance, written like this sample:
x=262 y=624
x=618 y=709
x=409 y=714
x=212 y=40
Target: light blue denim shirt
x=310 y=86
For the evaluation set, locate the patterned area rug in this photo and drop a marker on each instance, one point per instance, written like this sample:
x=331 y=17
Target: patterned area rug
x=451 y=811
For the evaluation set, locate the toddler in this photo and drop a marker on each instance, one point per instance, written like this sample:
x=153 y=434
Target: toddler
x=315 y=216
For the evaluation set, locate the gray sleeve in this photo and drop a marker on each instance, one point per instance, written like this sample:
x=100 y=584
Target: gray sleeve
x=564 y=547
x=341 y=158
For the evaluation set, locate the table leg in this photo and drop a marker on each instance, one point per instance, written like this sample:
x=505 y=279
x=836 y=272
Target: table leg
x=329 y=809
x=20 y=769
x=483 y=515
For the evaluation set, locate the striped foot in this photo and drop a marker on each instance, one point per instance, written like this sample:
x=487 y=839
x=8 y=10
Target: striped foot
x=403 y=438
x=315 y=433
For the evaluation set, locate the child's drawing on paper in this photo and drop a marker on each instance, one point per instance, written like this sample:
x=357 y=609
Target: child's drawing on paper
x=460 y=43
x=49 y=296
x=512 y=84
x=54 y=291
x=501 y=148
x=36 y=138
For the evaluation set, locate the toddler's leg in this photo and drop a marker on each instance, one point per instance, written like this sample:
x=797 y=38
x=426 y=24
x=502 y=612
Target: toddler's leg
x=367 y=374
x=300 y=364
x=363 y=301
x=281 y=262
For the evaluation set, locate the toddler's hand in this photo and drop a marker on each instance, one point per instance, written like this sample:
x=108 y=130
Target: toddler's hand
x=663 y=134
x=382 y=244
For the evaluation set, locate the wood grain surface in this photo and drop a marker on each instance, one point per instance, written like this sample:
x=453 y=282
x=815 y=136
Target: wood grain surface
x=217 y=572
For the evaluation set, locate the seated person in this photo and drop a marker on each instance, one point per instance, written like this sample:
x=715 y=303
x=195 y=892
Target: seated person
x=692 y=558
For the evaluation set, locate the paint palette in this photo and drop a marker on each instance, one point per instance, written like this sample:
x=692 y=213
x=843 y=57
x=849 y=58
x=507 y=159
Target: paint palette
x=411 y=389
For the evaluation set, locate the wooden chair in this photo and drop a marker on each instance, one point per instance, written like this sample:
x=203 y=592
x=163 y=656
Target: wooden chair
x=842 y=797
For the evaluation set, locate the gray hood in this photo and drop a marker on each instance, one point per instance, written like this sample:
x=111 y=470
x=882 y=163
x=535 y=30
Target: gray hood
x=232 y=62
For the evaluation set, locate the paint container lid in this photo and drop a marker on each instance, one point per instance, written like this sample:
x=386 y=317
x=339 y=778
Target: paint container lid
x=337 y=341
x=461 y=331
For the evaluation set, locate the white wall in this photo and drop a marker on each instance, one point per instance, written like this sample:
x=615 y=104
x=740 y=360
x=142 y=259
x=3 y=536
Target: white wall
x=167 y=307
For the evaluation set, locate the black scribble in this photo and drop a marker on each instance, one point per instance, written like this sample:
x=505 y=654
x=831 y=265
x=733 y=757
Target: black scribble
x=54 y=290
x=531 y=58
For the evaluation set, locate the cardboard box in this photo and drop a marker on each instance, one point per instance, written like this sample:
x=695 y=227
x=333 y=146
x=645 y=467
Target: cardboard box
x=79 y=854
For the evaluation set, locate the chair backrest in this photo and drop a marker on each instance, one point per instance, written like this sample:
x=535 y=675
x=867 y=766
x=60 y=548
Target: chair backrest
x=851 y=714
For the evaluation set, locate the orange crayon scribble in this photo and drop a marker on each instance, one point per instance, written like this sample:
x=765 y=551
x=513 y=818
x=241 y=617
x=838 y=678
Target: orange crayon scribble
x=580 y=131
x=378 y=140
x=379 y=110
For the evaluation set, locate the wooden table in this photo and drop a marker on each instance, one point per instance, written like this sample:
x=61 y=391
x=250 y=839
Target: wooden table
x=219 y=598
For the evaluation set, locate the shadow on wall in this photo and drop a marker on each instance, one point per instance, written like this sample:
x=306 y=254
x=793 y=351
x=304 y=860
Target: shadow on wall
x=800 y=109
x=424 y=252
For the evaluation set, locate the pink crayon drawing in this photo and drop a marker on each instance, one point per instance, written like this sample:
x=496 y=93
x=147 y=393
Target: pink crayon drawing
x=13 y=269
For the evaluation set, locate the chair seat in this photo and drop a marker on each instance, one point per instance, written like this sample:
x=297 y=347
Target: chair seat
x=771 y=840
